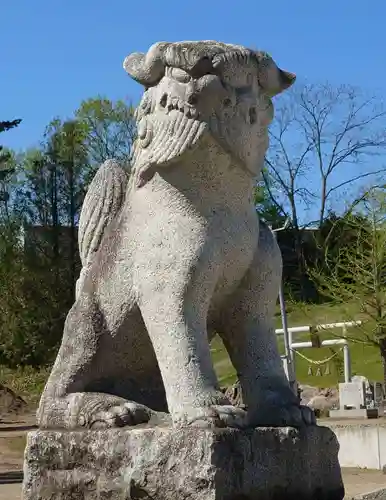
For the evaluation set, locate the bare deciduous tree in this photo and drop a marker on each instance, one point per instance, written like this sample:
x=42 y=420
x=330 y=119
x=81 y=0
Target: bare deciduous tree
x=323 y=139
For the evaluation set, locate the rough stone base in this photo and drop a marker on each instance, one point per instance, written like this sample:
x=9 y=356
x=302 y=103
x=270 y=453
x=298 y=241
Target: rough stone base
x=161 y=463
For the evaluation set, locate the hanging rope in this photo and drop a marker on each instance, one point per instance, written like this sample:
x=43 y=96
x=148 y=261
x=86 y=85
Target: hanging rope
x=318 y=362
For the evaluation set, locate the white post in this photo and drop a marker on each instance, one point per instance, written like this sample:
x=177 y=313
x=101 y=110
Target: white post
x=347 y=363
x=287 y=344
x=346 y=357
x=292 y=356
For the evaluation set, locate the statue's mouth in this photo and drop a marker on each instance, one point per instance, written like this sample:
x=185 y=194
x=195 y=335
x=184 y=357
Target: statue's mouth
x=174 y=103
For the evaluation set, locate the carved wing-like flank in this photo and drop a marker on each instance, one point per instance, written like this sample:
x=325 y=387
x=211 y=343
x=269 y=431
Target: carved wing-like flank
x=102 y=202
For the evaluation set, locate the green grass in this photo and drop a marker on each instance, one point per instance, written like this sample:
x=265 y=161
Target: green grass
x=29 y=383
x=365 y=360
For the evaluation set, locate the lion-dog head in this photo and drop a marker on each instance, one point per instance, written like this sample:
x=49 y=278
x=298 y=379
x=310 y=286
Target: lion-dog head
x=193 y=88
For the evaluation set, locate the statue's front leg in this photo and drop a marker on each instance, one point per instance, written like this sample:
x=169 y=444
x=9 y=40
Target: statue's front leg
x=175 y=314
x=249 y=334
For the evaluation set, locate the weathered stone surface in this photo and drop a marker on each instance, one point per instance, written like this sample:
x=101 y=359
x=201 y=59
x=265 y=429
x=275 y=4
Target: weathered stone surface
x=176 y=252
x=162 y=463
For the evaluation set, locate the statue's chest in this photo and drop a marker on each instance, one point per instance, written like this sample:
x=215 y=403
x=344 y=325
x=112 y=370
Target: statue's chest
x=234 y=238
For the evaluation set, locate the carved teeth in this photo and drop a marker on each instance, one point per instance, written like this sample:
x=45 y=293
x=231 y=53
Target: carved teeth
x=174 y=103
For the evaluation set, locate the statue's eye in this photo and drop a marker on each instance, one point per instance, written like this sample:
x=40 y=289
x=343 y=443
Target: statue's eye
x=243 y=91
x=269 y=109
x=180 y=75
x=266 y=110
x=252 y=115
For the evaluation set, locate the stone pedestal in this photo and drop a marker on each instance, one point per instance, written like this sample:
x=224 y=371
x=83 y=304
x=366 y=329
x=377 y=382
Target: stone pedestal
x=361 y=413
x=162 y=463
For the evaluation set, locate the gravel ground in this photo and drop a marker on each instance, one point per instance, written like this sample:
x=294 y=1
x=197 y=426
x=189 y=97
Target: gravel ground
x=356 y=482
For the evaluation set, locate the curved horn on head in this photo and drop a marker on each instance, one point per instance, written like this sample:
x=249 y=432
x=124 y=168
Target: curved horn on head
x=147 y=69
x=272 y=79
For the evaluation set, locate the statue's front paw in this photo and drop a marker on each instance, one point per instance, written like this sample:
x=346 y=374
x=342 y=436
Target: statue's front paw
x=124 y=414
x=284 y=416
x=214 y=416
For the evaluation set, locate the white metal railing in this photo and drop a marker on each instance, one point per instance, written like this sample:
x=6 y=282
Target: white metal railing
x=295 y=346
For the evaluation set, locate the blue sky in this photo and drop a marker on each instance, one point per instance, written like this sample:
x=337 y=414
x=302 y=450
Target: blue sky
x=54 y=53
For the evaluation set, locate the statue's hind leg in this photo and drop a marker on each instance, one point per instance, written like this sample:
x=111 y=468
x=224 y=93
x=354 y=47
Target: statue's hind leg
x=76 y=394
x=247 y=329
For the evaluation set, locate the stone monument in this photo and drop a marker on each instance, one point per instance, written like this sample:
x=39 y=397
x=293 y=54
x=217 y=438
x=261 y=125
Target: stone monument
x=171 y=255
x=357 y=400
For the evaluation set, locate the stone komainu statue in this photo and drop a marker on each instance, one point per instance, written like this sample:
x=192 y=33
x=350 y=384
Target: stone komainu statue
x=176 y=252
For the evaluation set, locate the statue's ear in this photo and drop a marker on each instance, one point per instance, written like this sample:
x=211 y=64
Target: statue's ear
x=272 y=79
x=147 y=69
x=286 y=79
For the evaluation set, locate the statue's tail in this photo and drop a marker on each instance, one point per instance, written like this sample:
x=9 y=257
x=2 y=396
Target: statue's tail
x=103 y=201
